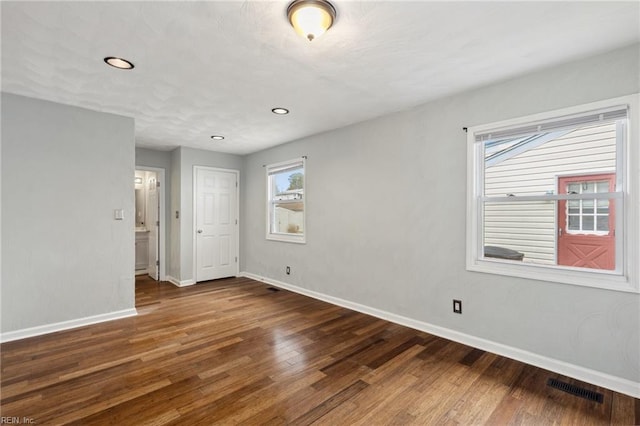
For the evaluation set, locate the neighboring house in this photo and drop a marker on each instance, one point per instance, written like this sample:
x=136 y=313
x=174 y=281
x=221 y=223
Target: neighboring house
x=289 y=216
x=551 y=163
x=290 y=194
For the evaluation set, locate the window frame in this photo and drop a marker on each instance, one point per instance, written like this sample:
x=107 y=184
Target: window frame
x=625 y=276
x=270 y=170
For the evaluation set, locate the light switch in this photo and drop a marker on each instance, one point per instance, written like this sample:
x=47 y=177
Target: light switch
x=118 y=214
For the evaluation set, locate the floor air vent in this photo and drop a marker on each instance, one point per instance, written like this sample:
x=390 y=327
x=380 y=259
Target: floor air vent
x=575 y=390
x=273 y=289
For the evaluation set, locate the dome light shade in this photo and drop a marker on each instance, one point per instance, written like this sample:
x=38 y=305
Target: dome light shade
x=311 y=18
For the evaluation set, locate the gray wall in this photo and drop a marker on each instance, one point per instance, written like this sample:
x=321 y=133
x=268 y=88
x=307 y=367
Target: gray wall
x=386 y=213
x=64 y=171
x=174 y=222
x=162 y=160
x=188 y=158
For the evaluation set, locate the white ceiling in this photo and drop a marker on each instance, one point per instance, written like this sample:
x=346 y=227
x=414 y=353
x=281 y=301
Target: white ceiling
x=204 y=68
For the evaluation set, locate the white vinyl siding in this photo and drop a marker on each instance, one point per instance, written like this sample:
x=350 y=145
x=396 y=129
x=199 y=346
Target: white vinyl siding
x=530 y=227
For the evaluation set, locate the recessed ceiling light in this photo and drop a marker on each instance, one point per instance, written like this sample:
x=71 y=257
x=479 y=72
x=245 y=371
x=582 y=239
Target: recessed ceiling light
x=280 y=111
x=217 y=137
x=119 y=63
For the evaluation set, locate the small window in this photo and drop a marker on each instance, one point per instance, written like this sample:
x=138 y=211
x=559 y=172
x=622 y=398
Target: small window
x=548 y=197
x=286 y=200
x=588 y=216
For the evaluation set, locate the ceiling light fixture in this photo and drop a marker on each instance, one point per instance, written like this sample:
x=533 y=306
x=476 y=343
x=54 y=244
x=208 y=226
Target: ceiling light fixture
x=280 y=111
x=217 y=137
x=119 y=63
x=311 y=18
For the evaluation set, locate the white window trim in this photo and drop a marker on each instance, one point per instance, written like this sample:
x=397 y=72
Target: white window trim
x=279 y=236
x=626 y=279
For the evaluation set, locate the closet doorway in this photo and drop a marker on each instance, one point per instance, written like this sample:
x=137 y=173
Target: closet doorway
x=215 y=222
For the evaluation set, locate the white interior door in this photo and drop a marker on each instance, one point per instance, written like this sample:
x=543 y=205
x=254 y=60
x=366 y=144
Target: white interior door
x=153 y=224
x=216 y=224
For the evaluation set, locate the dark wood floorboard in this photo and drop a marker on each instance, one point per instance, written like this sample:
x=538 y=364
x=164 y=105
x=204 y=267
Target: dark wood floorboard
x=233 y=351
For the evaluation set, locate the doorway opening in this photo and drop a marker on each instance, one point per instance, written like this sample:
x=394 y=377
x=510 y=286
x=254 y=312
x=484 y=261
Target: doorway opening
x=149 y=223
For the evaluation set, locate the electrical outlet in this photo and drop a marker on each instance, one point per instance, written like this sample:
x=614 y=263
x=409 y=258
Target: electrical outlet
x=457 y=306
x=288 y=270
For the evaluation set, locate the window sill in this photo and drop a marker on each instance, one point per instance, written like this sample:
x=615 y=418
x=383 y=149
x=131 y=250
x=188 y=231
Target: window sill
x=287 y=238
x=595 y=279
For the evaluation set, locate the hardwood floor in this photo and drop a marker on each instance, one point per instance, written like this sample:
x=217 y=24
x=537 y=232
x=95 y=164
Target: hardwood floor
x=236 y=352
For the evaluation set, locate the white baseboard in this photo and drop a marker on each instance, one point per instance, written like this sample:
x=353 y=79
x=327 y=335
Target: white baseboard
x=65 y=325
x=179 y=283
x=595 y=377
x=142 y=272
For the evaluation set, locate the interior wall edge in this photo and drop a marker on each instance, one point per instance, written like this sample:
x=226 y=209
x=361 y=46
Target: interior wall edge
x=179 y=283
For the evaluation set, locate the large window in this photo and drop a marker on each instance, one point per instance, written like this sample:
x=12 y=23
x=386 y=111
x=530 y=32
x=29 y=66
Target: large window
x=286 y=199
x=549 y=197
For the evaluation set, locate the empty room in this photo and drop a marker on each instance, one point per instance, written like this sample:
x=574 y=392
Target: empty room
x=328 y=212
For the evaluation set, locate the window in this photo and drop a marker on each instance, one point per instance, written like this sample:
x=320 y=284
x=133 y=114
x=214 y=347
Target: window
x=286 y=199
x=548 y=197
x=588 y=216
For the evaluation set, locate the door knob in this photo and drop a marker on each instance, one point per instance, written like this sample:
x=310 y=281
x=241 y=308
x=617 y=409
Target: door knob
x=199 y=231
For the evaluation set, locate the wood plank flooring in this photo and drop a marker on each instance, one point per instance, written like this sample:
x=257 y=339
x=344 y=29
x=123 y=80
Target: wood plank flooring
x=234 y=351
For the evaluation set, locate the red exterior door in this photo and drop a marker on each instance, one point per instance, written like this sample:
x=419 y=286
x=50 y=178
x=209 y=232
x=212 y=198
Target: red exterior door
x=586 y=234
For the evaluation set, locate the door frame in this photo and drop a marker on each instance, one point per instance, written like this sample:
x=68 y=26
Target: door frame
x=160 y=175
x=194 y=209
